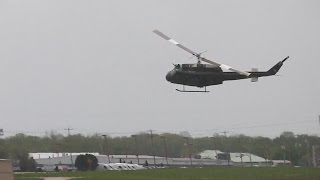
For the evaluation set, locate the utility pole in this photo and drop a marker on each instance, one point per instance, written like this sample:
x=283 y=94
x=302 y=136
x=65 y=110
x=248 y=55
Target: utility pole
x=283 y=147
x=106 y=149
x=165 y=148
x=126 y=149
x=297 y=146
x=154 y=155
x=308 y=152
x=137 y=152
x=214 y=147
x=189 y=149
x=249 y=145
x=68 y=129
x=241 y=156
x=228 y=153
x=249 y=149
x=314 y=162
x=225 y=133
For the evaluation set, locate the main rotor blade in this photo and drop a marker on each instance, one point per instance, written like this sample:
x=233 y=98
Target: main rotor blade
x=223 y=66
x=175 y=42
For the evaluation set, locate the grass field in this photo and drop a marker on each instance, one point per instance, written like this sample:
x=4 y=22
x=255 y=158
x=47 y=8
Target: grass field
x=214 y=173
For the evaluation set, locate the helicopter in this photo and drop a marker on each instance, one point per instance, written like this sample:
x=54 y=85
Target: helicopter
x=202 y=75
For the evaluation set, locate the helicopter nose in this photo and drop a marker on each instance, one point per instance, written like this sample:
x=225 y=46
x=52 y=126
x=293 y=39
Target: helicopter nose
x=170 y=75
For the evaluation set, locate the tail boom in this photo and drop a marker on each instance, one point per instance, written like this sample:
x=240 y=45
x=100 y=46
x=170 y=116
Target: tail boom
x=271 y=71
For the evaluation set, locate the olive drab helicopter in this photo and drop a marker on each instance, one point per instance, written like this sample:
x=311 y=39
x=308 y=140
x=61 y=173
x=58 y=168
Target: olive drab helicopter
x=203 y=75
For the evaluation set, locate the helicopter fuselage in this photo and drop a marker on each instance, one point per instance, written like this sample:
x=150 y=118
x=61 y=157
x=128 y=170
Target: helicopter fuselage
x=202 y=75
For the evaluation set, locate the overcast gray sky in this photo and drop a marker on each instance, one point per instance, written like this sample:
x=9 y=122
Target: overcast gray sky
x=96 y=66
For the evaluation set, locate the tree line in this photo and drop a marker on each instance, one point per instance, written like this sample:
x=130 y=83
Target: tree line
x=296 y=148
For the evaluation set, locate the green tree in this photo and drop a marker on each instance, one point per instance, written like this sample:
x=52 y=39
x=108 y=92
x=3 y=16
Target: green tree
x=86 y=162
x=26 y=163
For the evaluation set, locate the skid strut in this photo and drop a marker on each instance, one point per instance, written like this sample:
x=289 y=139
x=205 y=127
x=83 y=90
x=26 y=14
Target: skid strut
x=183 y=90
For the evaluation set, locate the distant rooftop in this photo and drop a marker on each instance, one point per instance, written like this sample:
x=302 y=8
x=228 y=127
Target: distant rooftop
x=42 y=155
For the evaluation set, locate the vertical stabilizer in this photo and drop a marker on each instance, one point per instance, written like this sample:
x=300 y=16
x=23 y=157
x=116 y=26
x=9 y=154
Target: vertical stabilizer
x=276 y=67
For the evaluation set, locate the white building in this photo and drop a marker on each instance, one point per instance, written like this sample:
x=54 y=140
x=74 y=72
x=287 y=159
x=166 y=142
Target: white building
x=236 y=158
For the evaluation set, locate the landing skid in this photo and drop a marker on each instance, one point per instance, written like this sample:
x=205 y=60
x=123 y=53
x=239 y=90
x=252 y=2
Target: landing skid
x=183 y=90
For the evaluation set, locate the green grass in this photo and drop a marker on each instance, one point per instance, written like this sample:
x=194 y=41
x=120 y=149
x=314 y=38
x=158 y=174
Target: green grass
x=210 y=173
